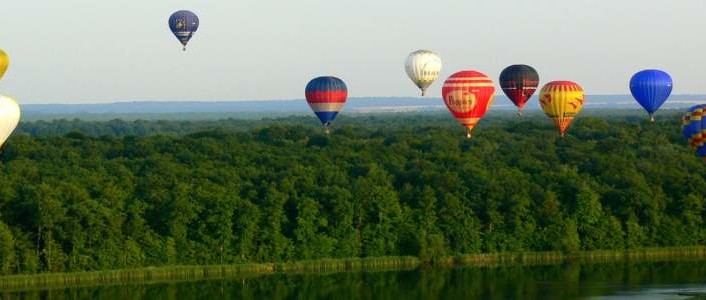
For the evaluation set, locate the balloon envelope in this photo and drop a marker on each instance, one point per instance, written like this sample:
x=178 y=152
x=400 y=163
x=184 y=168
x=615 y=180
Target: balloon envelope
x=561 y=101
x=685 y=126
x=694 y=128
x=9 y=117
x=651 y=88
x=4 y=62
x=423 y=68
x=183 y=25
x=326 y=96
x=519 y=82
x=468 y=95
x=701 y=152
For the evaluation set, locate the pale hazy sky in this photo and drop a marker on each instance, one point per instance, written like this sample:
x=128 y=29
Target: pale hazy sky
x=84 y=51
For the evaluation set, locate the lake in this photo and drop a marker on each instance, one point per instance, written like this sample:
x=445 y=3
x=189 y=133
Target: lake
x=638 y=280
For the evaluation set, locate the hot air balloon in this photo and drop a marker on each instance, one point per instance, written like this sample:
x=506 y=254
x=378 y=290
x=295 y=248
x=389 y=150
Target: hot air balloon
x=651 y=88
x=468 y=95
x=685 y=125
x=561 y=101
x=4 y=62
x=184 y=24
x=423 y=67
x=326 y=97
x=694 y=129
x=519 y=82
x=698 y=120
x=9 y=117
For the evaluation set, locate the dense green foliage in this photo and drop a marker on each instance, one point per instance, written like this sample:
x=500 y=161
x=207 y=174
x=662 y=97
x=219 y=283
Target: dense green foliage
x=379 y=186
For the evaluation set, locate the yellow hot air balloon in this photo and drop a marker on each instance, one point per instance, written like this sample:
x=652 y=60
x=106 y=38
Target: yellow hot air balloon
x=9 y=117
x=4 y=62
x=561 y=101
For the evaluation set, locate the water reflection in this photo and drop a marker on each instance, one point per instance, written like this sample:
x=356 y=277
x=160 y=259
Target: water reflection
x=662 y=280
x=676 y=292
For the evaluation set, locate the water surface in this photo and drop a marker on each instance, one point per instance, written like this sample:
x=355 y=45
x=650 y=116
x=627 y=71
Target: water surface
x=644 y=280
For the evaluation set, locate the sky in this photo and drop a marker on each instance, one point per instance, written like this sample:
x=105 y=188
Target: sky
x=88 y=51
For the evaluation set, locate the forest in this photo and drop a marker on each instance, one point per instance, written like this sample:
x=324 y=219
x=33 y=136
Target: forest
x=79 y=195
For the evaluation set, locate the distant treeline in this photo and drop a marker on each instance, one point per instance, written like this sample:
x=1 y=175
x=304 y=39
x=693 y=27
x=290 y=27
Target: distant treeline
x=147 y=193
x=97 y=125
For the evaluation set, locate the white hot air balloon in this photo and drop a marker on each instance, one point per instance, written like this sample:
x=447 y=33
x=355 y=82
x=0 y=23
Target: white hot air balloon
x=423 y=67
x=9 y=117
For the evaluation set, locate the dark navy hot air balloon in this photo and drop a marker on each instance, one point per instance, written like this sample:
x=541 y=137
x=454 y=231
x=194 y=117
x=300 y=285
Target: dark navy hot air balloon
x=184 y=24
x=651 y=88
x=519 y=82
x=326 y=97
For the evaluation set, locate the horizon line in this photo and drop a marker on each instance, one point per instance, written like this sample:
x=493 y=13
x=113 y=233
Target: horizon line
x=299 y=99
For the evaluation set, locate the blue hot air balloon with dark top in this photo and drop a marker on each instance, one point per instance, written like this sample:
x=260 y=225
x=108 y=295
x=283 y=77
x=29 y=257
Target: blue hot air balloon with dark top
x=651 y=88
x=184 y=24
x=326 y=96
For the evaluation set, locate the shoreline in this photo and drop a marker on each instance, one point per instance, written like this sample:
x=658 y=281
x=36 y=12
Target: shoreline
x=148 y=275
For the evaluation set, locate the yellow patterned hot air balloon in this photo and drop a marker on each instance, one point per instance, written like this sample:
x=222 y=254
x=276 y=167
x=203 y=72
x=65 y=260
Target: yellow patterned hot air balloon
x=561 y=101
x=4 y=62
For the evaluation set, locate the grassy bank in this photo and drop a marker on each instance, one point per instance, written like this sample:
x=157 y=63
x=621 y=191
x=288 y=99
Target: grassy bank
x=188 y=273
x=172 y=273
x=544 y=258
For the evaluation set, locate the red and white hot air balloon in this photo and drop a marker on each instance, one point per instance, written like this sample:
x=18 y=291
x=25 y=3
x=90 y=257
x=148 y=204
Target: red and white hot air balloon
x=468 y=96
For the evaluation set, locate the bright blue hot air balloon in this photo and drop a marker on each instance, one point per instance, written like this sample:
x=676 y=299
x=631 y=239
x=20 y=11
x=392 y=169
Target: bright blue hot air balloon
x=184 y=24
x=651 y=88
